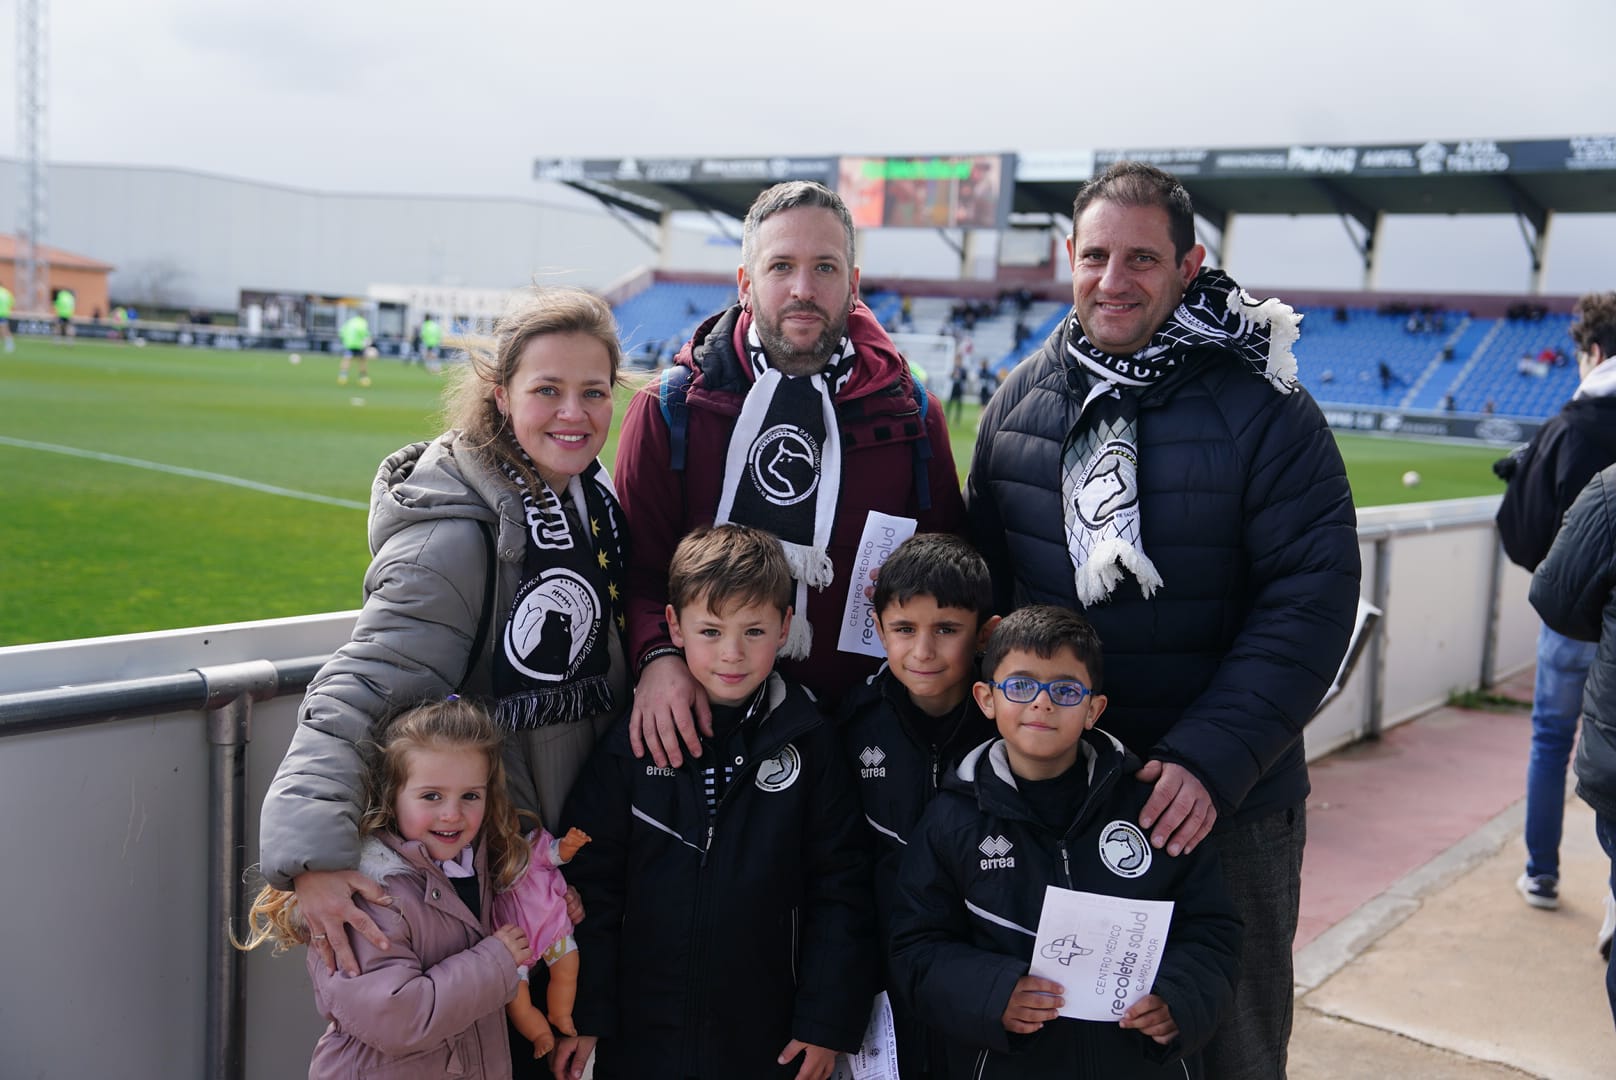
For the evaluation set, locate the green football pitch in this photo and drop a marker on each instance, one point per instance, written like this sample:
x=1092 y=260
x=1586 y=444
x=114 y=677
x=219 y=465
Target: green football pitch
x=161 y=487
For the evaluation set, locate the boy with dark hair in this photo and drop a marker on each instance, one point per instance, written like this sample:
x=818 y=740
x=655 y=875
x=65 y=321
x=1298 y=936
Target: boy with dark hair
x=1057 y=803
x=913 y=720
x=730 y=929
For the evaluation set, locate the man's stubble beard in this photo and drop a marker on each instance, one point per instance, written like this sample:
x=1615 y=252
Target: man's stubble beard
x=787 y=358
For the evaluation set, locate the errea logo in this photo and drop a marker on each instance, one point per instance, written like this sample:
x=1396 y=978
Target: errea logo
x=658 y=770
x=997 y=850
x=871 y=758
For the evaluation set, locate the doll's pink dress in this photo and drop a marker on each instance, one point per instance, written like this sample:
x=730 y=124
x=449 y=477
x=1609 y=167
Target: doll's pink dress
x=538 y=903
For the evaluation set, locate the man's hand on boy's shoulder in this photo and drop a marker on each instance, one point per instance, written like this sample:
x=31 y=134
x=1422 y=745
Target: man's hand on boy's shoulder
x=1180 y=811
x=1033 y=1003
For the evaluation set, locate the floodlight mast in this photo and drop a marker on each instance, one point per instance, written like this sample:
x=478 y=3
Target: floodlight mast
x=33 y=269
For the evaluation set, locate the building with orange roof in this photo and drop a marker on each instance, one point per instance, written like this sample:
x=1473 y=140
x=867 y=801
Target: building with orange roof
x=84 y=276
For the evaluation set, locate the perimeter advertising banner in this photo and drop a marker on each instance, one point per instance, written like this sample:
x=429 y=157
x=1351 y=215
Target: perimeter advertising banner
x=1461 y=157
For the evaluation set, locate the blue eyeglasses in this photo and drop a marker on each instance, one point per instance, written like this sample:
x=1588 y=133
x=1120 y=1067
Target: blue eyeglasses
x=1024 y=690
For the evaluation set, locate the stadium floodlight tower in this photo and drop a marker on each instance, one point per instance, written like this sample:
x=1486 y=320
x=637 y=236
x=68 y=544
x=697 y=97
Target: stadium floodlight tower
x=33 y=270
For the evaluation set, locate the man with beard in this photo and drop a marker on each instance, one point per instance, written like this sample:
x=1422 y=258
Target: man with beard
x=1156 y=466
x=790 y=411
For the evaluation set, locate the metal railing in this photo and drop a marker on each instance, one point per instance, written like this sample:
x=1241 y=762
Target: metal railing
x=225 y=695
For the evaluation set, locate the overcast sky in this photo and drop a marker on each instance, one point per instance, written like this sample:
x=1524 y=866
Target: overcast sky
x=402 y=96
x=394 y=95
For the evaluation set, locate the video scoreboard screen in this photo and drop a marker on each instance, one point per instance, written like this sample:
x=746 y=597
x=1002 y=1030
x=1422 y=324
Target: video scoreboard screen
x=967 y=192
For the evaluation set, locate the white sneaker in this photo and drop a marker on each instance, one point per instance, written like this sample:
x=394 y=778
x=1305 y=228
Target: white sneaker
x=1607 y=929
x=1542 y=891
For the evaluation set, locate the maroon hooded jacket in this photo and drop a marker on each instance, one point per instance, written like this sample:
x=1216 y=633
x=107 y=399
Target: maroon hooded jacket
x=879 y=422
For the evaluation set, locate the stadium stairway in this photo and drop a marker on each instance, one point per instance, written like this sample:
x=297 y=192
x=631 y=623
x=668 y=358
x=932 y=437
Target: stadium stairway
x=1428 y=391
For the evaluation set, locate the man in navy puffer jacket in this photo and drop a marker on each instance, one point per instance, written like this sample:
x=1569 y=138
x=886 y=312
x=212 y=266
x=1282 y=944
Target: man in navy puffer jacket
x=1156 y=466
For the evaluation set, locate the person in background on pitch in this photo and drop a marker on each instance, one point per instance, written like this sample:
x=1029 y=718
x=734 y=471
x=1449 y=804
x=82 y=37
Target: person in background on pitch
x=1063 y=797
x=431 y=334
x=1545 y=476
x=355 y=334
x=731 y=927
x=8 y=325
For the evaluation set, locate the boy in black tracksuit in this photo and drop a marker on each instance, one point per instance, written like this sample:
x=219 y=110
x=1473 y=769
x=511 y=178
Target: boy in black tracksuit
x=913 y=721
x=1051 y=802
x=729 y=929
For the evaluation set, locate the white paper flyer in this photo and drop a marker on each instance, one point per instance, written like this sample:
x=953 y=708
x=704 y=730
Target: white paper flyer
x=1102 y=949
x=877 y=1058
x=882 y=533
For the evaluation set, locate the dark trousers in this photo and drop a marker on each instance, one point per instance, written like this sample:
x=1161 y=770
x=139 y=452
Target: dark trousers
x=1605 y=829
x=1262 y=863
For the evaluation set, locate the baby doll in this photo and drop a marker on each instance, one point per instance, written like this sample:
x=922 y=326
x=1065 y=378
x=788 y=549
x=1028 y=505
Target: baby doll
x=538 y=904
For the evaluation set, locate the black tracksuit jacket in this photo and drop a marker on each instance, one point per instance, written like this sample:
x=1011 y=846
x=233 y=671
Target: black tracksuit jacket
x=711 y=941
x=962 y=931
x=900 y=759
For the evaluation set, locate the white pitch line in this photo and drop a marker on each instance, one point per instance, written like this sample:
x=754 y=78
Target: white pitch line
x=180 y=470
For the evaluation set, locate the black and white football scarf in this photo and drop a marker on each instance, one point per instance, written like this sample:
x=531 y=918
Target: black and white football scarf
x=1100 y=456
x=783 y=471
x=553 y=657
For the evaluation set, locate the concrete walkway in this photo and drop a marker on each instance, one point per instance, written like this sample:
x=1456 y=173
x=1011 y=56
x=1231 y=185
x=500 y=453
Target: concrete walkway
x=1415 y=955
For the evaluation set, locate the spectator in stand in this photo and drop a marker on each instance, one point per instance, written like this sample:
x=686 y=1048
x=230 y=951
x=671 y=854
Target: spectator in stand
x=1574 y=589
x=1545 y=477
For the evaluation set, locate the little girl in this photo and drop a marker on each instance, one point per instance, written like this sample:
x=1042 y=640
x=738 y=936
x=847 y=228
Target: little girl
x=440 y=835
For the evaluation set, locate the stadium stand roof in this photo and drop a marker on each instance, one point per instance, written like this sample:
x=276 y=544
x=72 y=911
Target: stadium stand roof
x=1530 y=179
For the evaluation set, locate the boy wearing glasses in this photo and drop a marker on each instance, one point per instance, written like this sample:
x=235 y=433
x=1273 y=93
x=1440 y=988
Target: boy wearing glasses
x=1052 y=801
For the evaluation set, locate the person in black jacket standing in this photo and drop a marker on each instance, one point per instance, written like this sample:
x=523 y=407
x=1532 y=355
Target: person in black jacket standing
x=1157 y=466
x=1544 y=477
x=1574 y=590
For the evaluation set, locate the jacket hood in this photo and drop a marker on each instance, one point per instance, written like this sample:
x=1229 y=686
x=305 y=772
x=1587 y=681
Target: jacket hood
x=714 y=353
x=442 y=478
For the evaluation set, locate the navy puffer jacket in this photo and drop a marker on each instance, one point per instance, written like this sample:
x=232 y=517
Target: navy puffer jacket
x=1245 y=511
x=1574 y=590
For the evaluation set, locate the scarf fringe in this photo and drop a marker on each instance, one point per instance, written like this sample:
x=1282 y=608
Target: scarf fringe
x=567 y=703
x=809 y=565
x=799 y=639
x=1099 y=575
x=1284 y=330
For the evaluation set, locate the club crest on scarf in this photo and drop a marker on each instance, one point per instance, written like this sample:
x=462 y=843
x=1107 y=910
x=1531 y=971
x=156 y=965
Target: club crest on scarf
x=784 y=463
x=553 y=660
x=556 y=618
